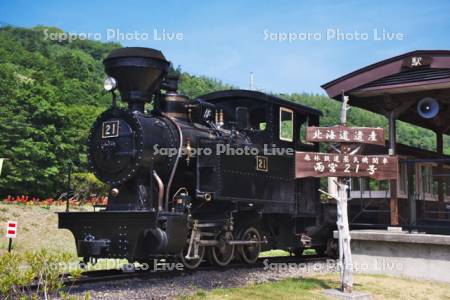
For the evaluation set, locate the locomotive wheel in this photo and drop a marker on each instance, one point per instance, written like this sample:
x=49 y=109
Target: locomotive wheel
x=223 y=253
x=250 y=253
x=192 y=264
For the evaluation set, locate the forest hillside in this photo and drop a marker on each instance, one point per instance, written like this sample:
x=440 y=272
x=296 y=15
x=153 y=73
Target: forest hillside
x=51 y=92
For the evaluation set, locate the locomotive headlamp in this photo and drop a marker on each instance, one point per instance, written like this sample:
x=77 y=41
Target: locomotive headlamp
x=114 y=192
x=109 y=84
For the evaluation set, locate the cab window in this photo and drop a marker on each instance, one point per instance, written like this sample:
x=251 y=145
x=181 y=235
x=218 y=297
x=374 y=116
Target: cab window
x=286 y=124
x=258 y=119
x=302 y=131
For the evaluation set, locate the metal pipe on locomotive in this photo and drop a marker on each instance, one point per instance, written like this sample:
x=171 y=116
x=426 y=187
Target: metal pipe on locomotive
x=181 y=205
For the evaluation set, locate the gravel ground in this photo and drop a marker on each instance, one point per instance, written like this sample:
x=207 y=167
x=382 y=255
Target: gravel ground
x=185 y=284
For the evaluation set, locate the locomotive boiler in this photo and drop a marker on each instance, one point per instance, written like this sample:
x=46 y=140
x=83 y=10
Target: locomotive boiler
x=207 y=178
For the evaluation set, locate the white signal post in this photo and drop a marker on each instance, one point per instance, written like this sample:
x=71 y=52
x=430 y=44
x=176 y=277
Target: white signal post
x=11 y=232
x=345 y=253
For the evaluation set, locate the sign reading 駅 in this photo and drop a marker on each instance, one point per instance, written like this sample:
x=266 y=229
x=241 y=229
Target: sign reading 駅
x=313 y=164
x=344 y=134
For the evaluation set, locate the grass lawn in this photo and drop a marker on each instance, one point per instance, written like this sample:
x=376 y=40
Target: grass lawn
x=37 y=228
x=273 y=253
x=381 y=287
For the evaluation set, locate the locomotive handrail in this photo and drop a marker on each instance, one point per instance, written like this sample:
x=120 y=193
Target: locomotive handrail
x=160 y=190
x=172 y=174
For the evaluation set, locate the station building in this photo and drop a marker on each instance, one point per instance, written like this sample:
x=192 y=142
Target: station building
x=414 y=88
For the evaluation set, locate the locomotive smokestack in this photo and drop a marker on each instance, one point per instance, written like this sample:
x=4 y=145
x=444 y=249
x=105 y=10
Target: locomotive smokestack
x=138 y=73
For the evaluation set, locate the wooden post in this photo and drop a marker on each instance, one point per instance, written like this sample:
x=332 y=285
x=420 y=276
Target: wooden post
x=345 y=263
x=440 y=170
x=10 y=245
x=440 y=178
x=411 y=195
x=393 y=203
x=343 y=164
x=345 y=253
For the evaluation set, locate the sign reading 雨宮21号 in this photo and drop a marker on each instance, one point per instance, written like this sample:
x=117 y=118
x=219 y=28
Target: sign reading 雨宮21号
x=314 y=164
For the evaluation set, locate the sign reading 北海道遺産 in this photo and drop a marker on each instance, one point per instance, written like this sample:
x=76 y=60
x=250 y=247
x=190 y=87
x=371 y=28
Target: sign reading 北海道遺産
x=344 y=134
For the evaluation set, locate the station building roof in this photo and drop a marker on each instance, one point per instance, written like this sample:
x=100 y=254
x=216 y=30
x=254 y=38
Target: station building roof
x=398 y=84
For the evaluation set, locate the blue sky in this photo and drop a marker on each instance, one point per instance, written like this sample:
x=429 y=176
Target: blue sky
x=229 y=39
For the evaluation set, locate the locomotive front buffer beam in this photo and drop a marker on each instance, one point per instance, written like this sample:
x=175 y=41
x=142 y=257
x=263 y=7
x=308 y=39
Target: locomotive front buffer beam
x=133 y=235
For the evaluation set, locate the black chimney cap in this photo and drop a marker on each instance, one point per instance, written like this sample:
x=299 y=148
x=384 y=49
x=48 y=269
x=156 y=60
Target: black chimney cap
x=138 y=72
x=136 y=52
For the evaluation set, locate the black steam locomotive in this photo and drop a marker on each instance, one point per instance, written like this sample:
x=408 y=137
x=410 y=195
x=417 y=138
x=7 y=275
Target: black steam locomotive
x=209 y=178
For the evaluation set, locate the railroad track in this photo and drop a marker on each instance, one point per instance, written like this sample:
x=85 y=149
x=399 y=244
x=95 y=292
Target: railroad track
x=115 y=274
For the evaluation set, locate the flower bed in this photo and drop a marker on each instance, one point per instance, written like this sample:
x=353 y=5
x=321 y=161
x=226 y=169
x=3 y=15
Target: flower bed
x=28 y=200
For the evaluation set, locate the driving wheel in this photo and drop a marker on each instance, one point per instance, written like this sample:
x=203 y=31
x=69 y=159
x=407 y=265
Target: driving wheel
x=192 y=264
x=223 y=253
x=250 y=253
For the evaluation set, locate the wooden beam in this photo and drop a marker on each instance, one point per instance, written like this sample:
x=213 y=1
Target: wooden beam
x=392 y=133
x=410 y=169
x=395 y=106
x=403 y=107
x=393 y=203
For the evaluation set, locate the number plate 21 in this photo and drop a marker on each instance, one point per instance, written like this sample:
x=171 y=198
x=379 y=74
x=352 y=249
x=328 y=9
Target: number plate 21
x=262 y=164
x=110 y=129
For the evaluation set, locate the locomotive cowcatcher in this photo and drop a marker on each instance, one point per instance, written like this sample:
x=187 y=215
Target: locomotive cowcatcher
x=180 y=185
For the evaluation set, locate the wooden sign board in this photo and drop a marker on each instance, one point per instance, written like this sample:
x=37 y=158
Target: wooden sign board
x=417 y=61
x=314 y=164
x=344 y=134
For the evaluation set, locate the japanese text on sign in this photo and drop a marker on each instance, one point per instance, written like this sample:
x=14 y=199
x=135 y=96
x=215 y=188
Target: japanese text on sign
x=343 y=134
x=313 y=164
